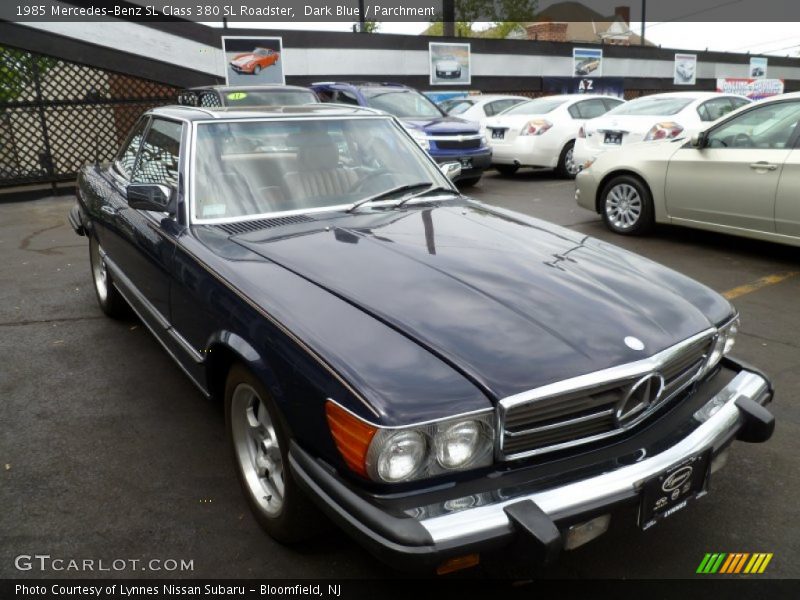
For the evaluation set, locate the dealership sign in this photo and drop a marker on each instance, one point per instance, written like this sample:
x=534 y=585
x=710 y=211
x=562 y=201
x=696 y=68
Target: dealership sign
x=755 y=89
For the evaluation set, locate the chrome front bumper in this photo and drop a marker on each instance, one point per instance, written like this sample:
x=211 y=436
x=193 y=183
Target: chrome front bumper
x=537 y=518
x=613 y=486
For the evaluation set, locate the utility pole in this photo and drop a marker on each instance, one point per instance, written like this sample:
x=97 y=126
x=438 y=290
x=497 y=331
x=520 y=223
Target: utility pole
x=361 y=16
x=644 y=18
x=449 y=15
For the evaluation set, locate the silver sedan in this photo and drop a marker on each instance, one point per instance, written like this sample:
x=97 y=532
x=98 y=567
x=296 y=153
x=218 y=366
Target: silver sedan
x=741 y=176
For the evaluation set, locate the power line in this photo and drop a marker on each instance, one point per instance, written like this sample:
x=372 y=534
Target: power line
x=697 y=12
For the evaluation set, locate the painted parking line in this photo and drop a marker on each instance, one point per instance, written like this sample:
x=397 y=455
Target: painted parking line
x=756 y=285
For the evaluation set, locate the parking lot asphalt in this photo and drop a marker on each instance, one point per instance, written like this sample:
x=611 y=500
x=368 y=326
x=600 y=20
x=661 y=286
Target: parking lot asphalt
x=108 y=452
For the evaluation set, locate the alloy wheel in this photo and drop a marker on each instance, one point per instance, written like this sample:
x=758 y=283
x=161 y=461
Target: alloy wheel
x=623 y=206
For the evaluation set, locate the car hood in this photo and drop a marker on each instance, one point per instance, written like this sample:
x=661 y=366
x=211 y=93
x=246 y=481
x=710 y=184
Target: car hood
x=442 y=125
x=512 y=303
x=243 y=59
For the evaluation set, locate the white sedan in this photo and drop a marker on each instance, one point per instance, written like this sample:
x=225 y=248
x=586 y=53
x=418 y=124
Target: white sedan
x=650 y=118
x=542 y=132
x=479 y=108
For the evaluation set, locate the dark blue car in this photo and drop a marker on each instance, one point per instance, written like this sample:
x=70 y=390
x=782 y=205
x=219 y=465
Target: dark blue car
x=446 y=138
x=441 y=377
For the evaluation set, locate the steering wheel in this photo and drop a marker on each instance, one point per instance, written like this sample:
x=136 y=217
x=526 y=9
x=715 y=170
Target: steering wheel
x=742 y=140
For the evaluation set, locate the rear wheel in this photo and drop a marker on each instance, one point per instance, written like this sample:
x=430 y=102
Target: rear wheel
x=108 y=297
x=627 y=206
x=507 y=169
x=566 y=162
x=260 y=446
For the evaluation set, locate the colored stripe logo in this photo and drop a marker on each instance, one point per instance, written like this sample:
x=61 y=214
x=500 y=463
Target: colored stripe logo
x=734 y=562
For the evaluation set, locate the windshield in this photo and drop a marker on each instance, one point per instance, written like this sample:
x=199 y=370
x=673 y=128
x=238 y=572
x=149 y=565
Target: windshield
x=652 y=106
x=540 y=106
x=401 y=103
x=268 y=97
x=261 y=51
x=248 y=168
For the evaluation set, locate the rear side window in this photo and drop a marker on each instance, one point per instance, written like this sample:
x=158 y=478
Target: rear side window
x=713 y=109
x=588 y=109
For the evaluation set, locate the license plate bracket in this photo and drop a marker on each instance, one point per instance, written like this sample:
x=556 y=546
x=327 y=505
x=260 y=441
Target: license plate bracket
x=613 y=137
x=673 y=489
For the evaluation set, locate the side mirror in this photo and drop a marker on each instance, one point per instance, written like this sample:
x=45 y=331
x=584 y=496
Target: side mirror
x=698 y=140
x=451 y=170
x=149 y=196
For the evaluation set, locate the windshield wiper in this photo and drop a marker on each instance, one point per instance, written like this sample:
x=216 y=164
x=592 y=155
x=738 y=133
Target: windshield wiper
x=439 y=189
x=390 y=192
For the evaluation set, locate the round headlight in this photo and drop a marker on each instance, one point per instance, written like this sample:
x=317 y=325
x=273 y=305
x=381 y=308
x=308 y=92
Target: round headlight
x=457 y=445
x=401 y=456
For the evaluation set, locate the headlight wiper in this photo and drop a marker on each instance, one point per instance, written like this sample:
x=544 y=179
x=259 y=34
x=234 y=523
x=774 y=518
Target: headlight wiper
x=390 y=192
x=439 y=189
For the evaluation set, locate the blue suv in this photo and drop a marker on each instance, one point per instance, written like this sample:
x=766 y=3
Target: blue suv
x=447 y=139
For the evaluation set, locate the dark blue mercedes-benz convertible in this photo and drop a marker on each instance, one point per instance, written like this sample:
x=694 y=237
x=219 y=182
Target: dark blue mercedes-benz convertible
x=441 y=377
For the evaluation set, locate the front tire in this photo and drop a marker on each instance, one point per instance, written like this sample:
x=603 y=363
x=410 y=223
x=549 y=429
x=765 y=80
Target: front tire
x=627 y=206
x=108 y=297
x=566 y=167
x=260 y=446
x=256 y=69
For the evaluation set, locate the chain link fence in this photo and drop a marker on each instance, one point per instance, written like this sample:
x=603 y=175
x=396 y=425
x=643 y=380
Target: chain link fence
x=56 y=115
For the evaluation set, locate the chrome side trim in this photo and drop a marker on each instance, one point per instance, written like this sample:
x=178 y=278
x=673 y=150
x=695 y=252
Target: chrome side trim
x=187 y=347
x=625 y=482
x=118 y=275
x=591 y=380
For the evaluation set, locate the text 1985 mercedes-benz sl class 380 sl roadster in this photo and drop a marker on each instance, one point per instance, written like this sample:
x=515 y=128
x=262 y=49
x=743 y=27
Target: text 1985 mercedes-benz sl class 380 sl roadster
x=441 y=377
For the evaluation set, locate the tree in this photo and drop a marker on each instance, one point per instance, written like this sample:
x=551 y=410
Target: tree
x=370 y=26
x=505 y=15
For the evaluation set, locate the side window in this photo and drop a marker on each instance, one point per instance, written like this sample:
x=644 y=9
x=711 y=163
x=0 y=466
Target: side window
x=713 y=109
x=126 y=158
x=738 y=102
x=769 y=126
x=158 y=159
x=343 y=97
x=612 y=103
x=588 y=109
x=492 y=108
x=502 y=105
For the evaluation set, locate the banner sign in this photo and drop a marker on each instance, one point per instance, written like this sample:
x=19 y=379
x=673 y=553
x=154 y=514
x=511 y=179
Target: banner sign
x=755 y=89
x=253 y=60
x=608 y=86
x=586 y=62
x=685 y=69
x=449 y=63
x=758 y=67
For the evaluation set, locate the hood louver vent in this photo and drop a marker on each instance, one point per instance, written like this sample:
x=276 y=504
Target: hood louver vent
x=258 y=224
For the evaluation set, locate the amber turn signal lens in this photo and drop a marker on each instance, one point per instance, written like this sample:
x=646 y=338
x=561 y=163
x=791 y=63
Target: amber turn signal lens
x=459 y=562
x=352 y=436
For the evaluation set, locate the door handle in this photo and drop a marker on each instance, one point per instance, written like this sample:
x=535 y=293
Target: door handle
x=763 y=166
x=108 y=210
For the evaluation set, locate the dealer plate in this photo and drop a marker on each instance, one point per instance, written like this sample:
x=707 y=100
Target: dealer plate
x=671 y=490
x=613 y=137
x=466 y=163
x=498 y=134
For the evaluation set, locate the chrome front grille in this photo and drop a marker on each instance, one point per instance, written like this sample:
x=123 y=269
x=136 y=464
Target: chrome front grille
x=591 y=407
